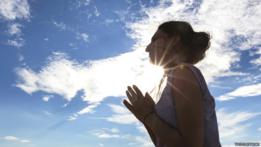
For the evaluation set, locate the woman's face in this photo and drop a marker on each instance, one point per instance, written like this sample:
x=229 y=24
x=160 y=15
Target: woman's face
x=159 y=48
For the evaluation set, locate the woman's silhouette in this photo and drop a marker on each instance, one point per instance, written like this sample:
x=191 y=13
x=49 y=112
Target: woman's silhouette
x=185 y=114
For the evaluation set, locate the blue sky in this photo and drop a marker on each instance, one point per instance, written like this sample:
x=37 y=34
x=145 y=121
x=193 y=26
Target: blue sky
x=65 y=66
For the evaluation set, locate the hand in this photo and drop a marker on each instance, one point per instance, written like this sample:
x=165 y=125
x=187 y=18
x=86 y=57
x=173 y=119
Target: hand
x=141 y=106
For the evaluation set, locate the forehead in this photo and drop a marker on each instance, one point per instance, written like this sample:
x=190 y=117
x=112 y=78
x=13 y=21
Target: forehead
x=158 y=34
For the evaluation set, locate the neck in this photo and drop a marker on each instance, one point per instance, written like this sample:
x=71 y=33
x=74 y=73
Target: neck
x=168 y=68
x=175 y=60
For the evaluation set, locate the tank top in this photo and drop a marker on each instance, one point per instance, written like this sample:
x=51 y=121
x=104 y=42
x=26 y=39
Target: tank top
x=165 y=109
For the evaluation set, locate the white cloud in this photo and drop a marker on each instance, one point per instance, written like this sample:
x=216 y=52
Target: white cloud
x=96 y=12
x=81 y=3
x=66 y=77
x=243 y=91
x=257 y=61
x=16 y=139
x=17 y=42
x=110 y=21
x=72 y=118
x=25 y=141
x=88 y=109
x=60 y=76
x=46 y=98
x=60 y=25
x=15 y=29
x=107 y=133
x=83 y=36
x=47 y=113
x=121 y=115
x=14 y=9
x=118 y=109
x=138 y=141
x=224 y=20
x=251 y=79
x=10 y=138
x=15 y=32
x=233 y=125
x=20 y=57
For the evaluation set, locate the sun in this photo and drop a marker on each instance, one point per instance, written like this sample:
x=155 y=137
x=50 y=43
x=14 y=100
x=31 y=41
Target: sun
x=149 y=79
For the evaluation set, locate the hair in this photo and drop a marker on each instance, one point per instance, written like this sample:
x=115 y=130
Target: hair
x=194 y=43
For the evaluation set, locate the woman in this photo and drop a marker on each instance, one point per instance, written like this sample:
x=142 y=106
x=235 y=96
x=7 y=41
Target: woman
x=185 y=114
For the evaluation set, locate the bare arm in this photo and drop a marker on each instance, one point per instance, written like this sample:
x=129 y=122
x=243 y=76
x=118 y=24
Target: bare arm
x=189 y=106
x=189 y=109
x=152 y=136
x=167 y=134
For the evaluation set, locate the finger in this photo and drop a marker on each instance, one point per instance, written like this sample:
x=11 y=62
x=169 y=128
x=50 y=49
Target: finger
x=147 y=96
x=130 y=97
x=128 y=105
x=133 y=94
x=137 y=90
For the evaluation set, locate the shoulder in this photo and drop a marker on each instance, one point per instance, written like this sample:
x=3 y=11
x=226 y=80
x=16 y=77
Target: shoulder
x=189 y=103
x=185 y=72
x=185 y=82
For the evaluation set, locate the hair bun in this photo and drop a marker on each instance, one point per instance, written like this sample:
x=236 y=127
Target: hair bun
x=194 y=43
x=200 y=41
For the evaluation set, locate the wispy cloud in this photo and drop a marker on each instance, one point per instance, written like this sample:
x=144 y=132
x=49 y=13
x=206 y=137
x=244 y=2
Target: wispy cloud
x=114 y=133
x=106 y=133
x=16 y=139
x=82 y=3
x=243 y=91
x=96 y=12
x=15 y=29
x=83 y=36
x=10 y=138
x=46 y=98
x=219 y=18
x=66 y=77
x=17 y=42
x=15 y=33
x=14 y=9
x=234 y=125
x=257 y=61
x=121 y=115
x=59 y=25
x=47 y=113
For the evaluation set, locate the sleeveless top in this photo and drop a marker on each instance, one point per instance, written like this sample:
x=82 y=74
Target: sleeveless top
x=165 y=109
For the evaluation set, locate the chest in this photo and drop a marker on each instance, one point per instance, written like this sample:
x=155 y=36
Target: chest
x=165 y=107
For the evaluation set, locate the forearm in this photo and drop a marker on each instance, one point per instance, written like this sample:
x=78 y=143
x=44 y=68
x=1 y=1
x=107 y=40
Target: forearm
x=167 y=134
x=152 y=136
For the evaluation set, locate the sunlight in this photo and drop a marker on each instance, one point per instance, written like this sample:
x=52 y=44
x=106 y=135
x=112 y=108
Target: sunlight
x=150 y=80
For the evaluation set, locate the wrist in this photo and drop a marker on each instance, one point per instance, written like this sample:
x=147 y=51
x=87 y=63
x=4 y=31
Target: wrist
x=147 y=116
